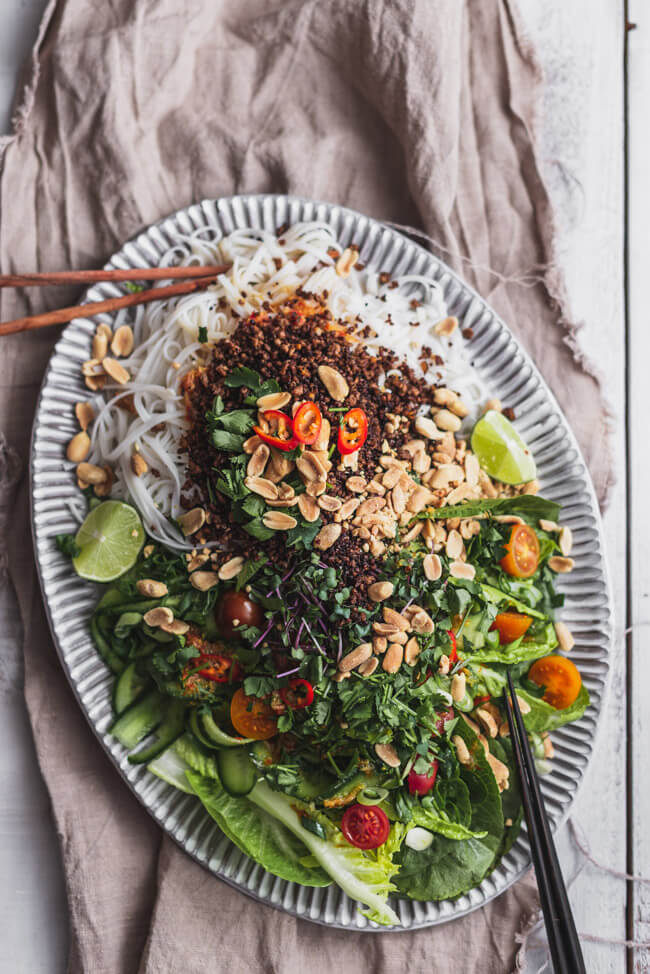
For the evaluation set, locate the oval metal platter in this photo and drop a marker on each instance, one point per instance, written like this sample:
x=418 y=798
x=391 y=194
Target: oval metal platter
x=509 y=374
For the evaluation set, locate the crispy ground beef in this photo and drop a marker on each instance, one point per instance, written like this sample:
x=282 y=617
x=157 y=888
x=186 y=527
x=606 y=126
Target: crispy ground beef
x=289 y=347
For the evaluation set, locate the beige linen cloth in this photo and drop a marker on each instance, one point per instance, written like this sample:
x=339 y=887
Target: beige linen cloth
x=415 y=111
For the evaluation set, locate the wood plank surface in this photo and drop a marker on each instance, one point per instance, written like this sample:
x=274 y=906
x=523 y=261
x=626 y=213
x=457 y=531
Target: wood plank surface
x=639 y=512
x=580 y=46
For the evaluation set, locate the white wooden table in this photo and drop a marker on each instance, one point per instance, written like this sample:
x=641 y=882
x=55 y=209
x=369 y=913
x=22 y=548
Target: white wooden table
x=593 y=77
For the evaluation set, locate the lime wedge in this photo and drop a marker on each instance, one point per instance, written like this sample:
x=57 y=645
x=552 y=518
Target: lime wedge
x=110 y=540
x=501 y=451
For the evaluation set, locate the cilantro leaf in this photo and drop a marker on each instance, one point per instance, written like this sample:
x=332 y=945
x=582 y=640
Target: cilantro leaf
x=230 y=442
x=251 y=567
x=67 y=545
x=243 y=376
x=257 y=529
x=238 y=421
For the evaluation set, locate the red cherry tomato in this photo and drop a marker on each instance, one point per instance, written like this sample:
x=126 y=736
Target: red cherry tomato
x=280 y=432
x=219 y=668
x=443 y=718
x=422 y=784
x=307 y=423
x=522 y=552
x=299 y=694
x=235 y=609
x=453 y=656
x=365 y=826
x=511 y=626
x=352 y=431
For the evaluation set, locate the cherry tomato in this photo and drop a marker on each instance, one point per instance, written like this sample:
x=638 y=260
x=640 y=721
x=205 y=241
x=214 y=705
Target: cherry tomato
x=307 y=423
x=365 y=826
x=453 y=656
x=422 y=784
x=235 y=609
x=443 y=718
x=522 y=552
x=511 y=626
x=280 y=432
x=561 y=678
x=299 y=694
x=219 y=668
x=252 y=717
x=352 y=431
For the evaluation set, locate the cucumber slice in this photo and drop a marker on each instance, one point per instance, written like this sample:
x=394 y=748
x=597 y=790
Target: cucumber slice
x=128 y=687
x=106 y=651
x=171 y=768
x=216 y=736
x=196 y=728
x=138 y=720
x=170 y=730
x=236 y=771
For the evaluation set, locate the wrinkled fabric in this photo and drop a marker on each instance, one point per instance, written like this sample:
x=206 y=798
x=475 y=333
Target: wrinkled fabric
x=415 y=111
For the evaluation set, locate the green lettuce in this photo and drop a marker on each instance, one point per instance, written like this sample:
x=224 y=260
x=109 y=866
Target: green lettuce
x=256 y=833
x=364 y=877
x=520 y=650
x=451 y=867
x=496 y=596
x=544 y=717
x=448 y=811
x=511 y=797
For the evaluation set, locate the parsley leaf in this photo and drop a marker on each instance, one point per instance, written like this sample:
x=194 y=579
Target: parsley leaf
x=67 y=545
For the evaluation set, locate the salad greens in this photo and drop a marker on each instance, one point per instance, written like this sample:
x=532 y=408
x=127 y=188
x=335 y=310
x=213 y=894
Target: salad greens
x=449 y=867
x=283 y=802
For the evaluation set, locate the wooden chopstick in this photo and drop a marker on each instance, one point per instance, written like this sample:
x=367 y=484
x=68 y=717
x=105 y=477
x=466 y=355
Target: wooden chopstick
x=42 y=279
x=61 y=315
x=564 y=943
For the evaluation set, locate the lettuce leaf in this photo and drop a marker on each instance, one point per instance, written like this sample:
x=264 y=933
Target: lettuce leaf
x=363 y=877
x=510 y=798
x=449 y=868
x=496 y=596
x=197 y=759
x=519 y=650
x=257 y=834
x=544 y=717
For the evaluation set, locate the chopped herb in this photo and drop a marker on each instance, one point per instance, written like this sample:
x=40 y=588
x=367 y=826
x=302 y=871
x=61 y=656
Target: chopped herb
x=67 y=545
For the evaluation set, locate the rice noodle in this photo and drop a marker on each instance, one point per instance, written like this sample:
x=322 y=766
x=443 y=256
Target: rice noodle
x=167 y=347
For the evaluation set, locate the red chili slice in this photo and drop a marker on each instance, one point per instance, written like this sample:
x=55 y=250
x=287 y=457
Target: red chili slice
x=479 y=700
x=353 y=431
x=307 y=423
x=280 y=434
x=365 y=826
x=453 y=656
x=299 y=694
x=219 y=668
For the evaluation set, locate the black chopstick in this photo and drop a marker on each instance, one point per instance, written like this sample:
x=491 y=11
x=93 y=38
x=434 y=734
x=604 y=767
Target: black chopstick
x=563 y=940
